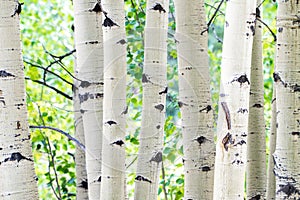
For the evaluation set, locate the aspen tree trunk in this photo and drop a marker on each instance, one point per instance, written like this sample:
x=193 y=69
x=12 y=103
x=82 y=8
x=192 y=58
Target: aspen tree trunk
x=89 y=47
x=114 y=113
x=233 y=103
x=154 y=95
x=81 y=176
x=17 y=176
x=256 y=141
x=195 y=99
x=271 y=182
x=287 y=82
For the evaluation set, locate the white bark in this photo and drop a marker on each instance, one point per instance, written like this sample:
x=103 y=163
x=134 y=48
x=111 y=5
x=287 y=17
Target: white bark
x=154 y=95
x=89 y=47
x=17 y=177
x=81 y=176
x=287 y=82
x=271 y=182
x=256 y=141
x=113 y=163
x=195 y=99
x=234 y=96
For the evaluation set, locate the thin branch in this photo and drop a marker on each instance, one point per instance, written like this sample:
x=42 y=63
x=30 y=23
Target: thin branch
x=164 y=181
x=51 y=87
x=62 y=132
x=266 y=25
x=212 y=18
x=47 y=70
x=214 y=8
x=50 y=154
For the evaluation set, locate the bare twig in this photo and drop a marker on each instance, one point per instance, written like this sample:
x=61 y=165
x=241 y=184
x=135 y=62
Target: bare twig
x=51 y=87
x=62 y=132
x=164 y=180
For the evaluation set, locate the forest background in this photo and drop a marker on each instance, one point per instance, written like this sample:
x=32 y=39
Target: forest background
x=49 y=59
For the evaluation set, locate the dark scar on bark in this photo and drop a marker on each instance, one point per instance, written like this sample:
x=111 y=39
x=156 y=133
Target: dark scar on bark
x=165 y=91
x=242 y=79
x=111 y=122
x=157 y=157
x=159 y=107
x=141 y=178
x=227 y=140
x=118 y=142
x=158 y=7
x=109 y=22
x=207 y=109
x=16 y=157
x=227 y=114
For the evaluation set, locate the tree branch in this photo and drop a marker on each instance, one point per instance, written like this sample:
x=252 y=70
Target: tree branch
x=62 y=132
x=51 y=87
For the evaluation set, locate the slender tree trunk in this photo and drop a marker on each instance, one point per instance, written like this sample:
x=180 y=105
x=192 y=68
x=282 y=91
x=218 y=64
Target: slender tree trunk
x=234 y=96
x=81 y=175
x=256 y=141
x=154 y=95
x=195 y=99
x=113 y=163
x=287 y=82
x=17 y=177
x=89 y=47
x=271 y=182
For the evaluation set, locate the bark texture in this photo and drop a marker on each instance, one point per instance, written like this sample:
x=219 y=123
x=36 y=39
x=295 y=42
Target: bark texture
x=89 y=47
x=195 y=99
x=115 y=109
x=271 y=181
x=234 y=98
x=154 y=95
x=256 y=141
x=17 y=176
x=287 y=82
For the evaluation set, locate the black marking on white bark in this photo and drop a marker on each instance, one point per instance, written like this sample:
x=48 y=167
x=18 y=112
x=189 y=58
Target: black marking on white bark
x=201 y=140
x=18 y=125
x=145 y=78
x=244 y=134
x=110 y=122
x=237 y=162
x=109 y=22
x=227 y=140
x=298 y=121
x=17 y=156
x=277 y=79
x=252 y=28
x=83 y=184
x=121 y=42
x=82 y=111
x=87 y=96
x=159 y=107
x=241 y=79
x=205 y=168
x=257 y=105
x=99 y=179
x=180 y=104
x=18 y=9
x=125 y=111
x=165 y=91
x=295 y=133
x=288 y=189
x=118 y=142
x=141 y=178
x=5 y=74
x=242 y=110
x=158 y=127
x=256 y=197
x=241 y=142
x=97 y=8
x=85 y=84
x=295 y=88
x=227 y=114
x=157 y=157
x=158 y=7
x=92 y=42
x=280 y=29
x=207 y=109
